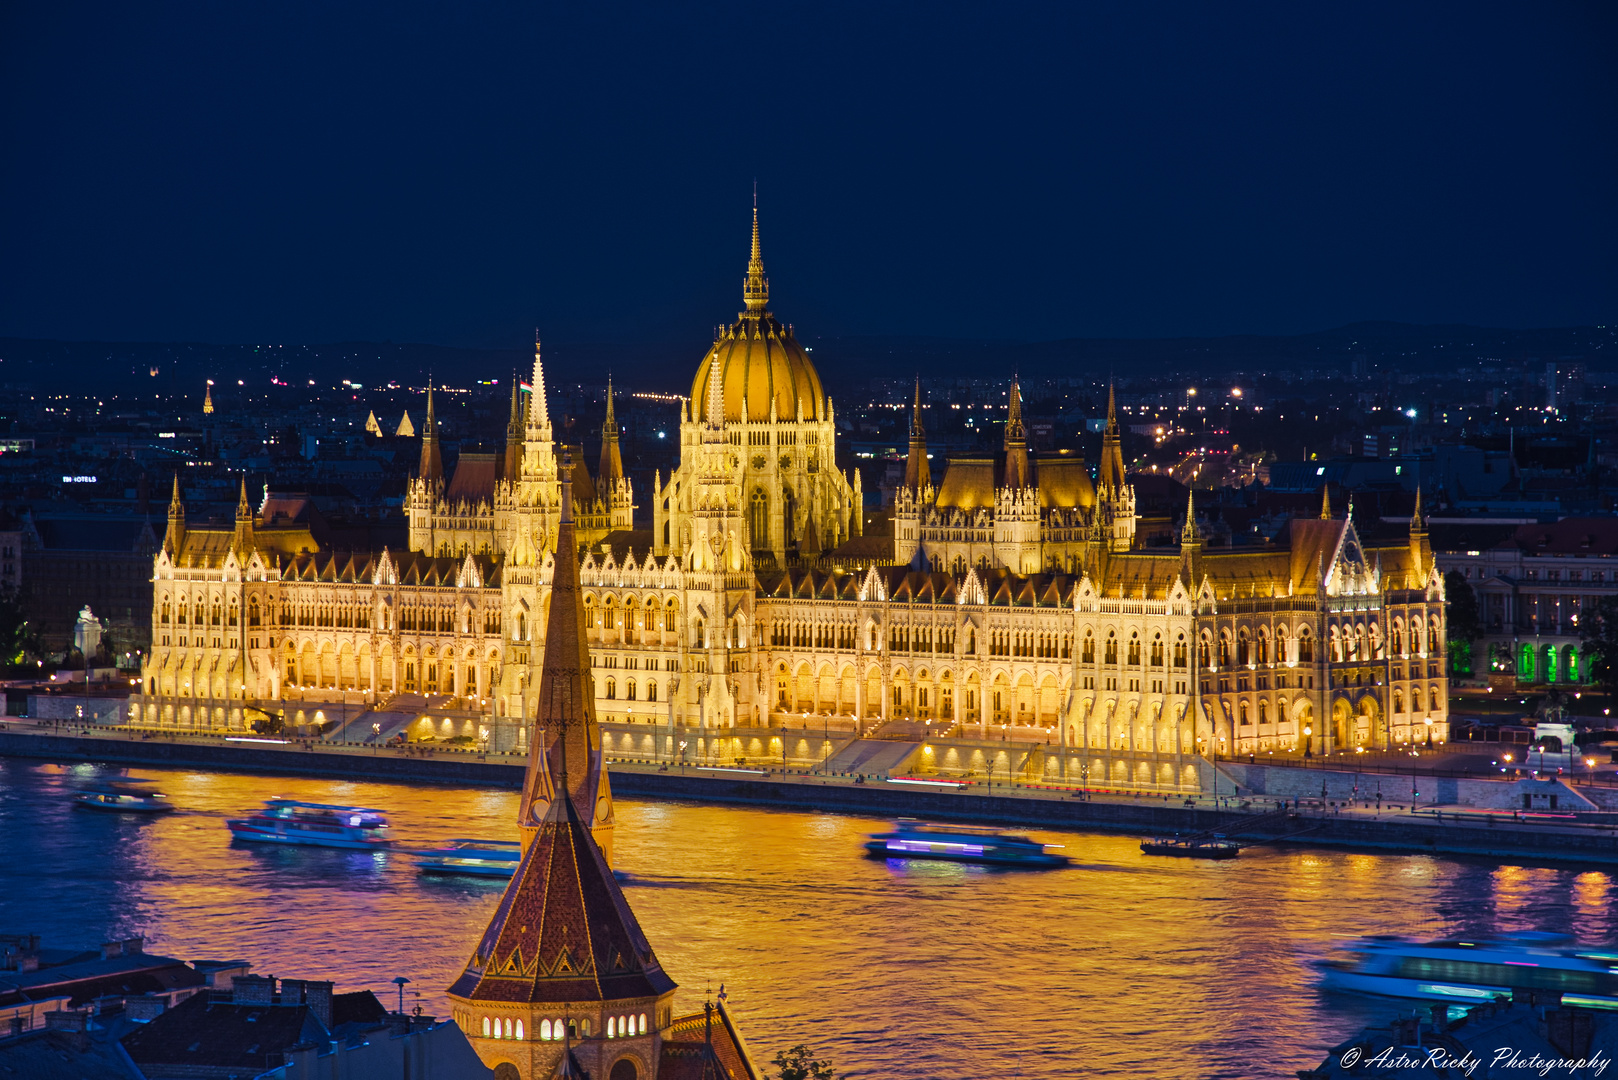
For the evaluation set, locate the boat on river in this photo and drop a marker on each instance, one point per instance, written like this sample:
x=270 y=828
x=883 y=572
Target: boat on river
x=472 y=858
x=287 y=821
x=1192 y=847
x=1472 y=972
x=126 y=795
x=912 y=839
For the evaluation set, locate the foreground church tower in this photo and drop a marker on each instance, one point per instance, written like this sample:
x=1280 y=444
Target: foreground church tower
x=564 y=981
x=566 y=756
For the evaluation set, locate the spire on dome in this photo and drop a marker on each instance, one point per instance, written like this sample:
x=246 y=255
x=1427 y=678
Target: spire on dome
x=755 y=287
x=1325 y=502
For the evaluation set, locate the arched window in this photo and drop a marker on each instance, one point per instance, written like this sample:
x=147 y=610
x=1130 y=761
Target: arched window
x=758 y=523
x=485 y=1027
x=1263 y=712
x=545 y=1029
x=1088 y=653
x=1241 y=710
x=519 y=1029
x=651 y=689
x=609 y=616
x=612 y=689
x=1306 y=647
x=1243 y=649
x=629 y=690
x=508 y=1027
x=252 y=612
x=642 y=1024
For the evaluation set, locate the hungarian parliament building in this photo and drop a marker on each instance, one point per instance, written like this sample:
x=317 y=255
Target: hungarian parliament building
x=1016 y=591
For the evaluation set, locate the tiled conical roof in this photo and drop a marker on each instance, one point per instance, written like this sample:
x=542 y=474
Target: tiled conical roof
x=563 y=932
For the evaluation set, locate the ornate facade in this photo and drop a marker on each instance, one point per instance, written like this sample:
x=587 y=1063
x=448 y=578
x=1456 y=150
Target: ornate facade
x=1020 y=593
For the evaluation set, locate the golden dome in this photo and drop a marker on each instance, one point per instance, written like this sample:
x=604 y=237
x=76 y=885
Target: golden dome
x=759 y=360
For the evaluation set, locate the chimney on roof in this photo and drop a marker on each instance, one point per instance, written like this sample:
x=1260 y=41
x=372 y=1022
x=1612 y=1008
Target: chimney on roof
x=316 y=995
x=253 y=990
x=111 y=949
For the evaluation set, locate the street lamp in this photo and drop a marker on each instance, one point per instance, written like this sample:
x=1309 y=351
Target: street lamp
x=1307 y=740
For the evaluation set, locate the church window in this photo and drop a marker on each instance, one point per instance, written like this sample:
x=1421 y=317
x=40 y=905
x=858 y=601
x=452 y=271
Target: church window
x=651 y=689
x=166 y=613
x=629 y=690
x=1180 y=652
x=758 y=523
x=519 y=1029
x=1157 y=652
x=1262 y=649
x=669 y=617
x=1306 y=647
x=485 y=1027
x=1088 y=654
x=1224 y=651
x=545 y=1029
x=612 y=689
x=216 y=613
x=1134 y=651
x=1243 y=648
x=1111 y=655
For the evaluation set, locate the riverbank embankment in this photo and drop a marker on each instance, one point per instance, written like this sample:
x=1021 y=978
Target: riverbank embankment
x=1332 y=823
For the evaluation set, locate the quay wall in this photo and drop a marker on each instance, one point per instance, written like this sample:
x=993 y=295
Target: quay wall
x=1145 y=814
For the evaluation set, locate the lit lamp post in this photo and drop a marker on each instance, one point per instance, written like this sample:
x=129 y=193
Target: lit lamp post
x=783 y=750
x=682 y=755
x=1307 y=740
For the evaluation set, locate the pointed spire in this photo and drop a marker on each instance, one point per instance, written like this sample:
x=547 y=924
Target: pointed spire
x=1014 y=425
x=539 y=413
x=1325 y=502
x=207 y=400
x=612 y=463
x=1018 y=475
x=174 y=538
x=432 y=461
x=918 y=475
x=1417 y=522
x=716 y=394
x=243 y=508
x=511 y=463
x=1190 y=532
x=243 y=541
x=755 y=287
x=371 y=425
x=565 y=711
x=1112 y=411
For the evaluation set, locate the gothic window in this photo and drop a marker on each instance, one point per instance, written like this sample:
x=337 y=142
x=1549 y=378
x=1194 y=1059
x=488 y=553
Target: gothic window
x=612 y=689
x=629 y=690
x=1306 y=647
x=609 y=617
x=758 y=522
x=1134 y=651
x=1157 y=653
x=1179 y=652
x=1111 y=655
x=166 y=613
x=651 y=689
x=1224 y=650
x=1242 y=711
x=1262 y=649
x=1088 y=654
x=1242 y=648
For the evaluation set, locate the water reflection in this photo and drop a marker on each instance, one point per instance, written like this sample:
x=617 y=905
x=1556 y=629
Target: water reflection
x=1118 y=965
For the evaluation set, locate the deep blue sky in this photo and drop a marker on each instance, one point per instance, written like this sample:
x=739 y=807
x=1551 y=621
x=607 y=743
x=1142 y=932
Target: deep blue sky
x=460 y=173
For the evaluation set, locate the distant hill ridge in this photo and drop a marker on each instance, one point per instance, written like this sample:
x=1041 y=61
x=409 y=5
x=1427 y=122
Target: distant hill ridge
x=180 y=366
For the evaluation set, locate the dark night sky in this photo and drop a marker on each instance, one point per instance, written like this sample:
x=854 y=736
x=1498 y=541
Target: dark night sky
x=460 y=173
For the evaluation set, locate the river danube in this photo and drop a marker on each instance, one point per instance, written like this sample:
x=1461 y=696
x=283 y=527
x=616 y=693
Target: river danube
x=1120 y=966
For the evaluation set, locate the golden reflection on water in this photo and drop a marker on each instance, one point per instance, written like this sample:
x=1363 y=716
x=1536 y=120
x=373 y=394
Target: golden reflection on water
x=1122 y=965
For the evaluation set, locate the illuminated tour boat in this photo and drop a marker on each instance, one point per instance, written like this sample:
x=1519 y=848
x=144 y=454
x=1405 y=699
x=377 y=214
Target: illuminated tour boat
x=126 y=796
x=287 y=821
x=1192 y=847
x=1470 y=972
x=473 y=858
x=961 y=843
